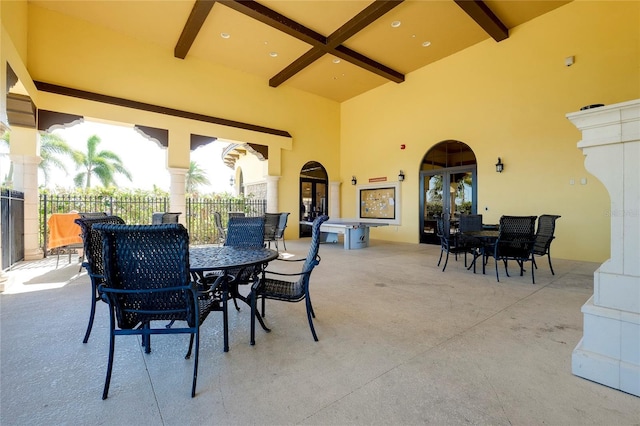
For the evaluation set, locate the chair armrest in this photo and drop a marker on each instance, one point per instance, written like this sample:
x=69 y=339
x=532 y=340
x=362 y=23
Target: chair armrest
x=104 y=289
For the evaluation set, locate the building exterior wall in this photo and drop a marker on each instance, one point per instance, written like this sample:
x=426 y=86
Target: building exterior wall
x=508 y=100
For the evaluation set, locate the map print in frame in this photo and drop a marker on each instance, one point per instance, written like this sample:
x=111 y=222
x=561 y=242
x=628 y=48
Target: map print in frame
x=378 y=203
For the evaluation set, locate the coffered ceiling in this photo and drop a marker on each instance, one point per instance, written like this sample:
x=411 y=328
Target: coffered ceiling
x=333 y=48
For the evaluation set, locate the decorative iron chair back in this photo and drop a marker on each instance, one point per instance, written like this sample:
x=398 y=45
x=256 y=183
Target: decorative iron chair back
x=93 y=262
x=545 y=233
x=470 y=222
x=245 y=232
x=147 y=258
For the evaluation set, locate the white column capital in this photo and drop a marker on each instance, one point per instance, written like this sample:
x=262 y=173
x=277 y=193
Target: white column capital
x=272 y=193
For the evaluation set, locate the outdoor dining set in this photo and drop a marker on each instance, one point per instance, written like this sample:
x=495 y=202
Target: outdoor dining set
x=154 y=282
x=514 y=238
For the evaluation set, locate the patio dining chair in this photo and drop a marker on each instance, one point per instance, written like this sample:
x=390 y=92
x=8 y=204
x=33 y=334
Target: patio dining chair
x=515 y=241
x=93 y=263
x=271 y=221
x=277 y=286
x=449 y=243
x=282 y=225
x=220 y=231
x=241 y=232
x=544 y=237
x=147 y=279
x=469 y=244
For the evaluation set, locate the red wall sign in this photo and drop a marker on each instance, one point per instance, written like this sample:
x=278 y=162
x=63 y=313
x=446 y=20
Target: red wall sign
x=378 y=179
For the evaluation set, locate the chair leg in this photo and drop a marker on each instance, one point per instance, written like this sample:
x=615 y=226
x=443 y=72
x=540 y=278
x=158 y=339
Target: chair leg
x=284 y=244
x=195 y=361
x=309 y=313
x=446 y=260
x=252 y=337
x=533 y=278
x=112 y=343
x=440 y=259
x=496 y=263
x=91 y=315
x=550 y=267
x=146 y=339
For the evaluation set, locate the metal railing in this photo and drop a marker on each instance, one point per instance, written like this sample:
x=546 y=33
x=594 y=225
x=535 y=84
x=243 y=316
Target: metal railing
x=11 y=226
x=136 y=209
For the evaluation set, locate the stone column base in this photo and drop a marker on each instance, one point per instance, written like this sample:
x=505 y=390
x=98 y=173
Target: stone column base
x=609 y=351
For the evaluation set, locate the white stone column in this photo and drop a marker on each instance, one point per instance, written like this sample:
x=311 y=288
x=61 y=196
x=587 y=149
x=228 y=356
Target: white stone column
x=177 y=193
x=25 y=179
x=272 y=194
x=609 y=352
x=334 y=199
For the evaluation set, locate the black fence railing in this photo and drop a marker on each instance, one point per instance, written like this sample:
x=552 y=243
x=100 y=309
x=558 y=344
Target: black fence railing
x=135 y=209
x=11 y=226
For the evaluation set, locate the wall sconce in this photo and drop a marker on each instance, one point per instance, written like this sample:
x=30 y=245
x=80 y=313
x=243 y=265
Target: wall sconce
x=353 y=180
x=499 y=166
x=400 y=176
x=231 y=181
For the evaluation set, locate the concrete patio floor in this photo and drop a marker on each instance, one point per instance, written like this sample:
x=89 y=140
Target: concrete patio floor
x=401 y=342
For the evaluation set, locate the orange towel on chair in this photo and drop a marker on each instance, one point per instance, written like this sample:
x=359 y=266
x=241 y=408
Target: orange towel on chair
x=63 y=231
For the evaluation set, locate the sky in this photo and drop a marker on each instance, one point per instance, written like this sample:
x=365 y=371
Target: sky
x=145 y=159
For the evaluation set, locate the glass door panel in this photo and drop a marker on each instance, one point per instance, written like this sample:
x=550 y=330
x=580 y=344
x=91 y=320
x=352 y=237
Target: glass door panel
x=447 y=193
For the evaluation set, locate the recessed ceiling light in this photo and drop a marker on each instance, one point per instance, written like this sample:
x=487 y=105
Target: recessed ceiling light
x=396 y=24
x=273 y=54
x=336 y=61
x=426 y=43
x=225 y=35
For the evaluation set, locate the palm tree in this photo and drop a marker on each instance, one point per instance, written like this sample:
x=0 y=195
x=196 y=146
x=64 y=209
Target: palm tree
x=103 y=164
x=52 y=145
x=195 y=177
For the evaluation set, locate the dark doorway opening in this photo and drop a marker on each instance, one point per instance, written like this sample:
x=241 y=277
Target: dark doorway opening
x=314 y=190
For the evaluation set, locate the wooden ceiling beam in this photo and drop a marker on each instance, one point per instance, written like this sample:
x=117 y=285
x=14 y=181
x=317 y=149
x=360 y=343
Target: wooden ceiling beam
x=321 y=45
x=198 y=15
x=359 y=22
x=275 y=20
x=488 y=21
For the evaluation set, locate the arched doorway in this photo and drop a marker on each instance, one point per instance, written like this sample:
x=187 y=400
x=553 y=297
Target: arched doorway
x=313 y=194
x=448 y=186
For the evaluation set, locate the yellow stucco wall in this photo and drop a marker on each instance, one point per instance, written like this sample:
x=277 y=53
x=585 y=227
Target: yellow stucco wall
x=507 y=100
x=123 y=67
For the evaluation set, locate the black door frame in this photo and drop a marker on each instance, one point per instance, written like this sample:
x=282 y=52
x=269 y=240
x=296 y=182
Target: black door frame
x=446 y=201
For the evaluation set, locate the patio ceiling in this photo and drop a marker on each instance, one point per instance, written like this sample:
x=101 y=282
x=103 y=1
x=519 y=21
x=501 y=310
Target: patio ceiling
x=335 y=49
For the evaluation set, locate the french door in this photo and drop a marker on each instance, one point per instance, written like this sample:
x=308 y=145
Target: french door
x=446 y=193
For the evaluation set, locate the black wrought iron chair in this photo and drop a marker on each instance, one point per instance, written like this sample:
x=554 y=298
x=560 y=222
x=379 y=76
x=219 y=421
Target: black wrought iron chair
x=544 y=237
x=241 y=232
x=271 y=287
x=282 y=225
x=92 y=247
x=271 y=221
x=469 y=244
x=158 y=218
x=92 y=215
x=221 y=232
x=449 y=243
x=146 y=279
x=515 y=242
